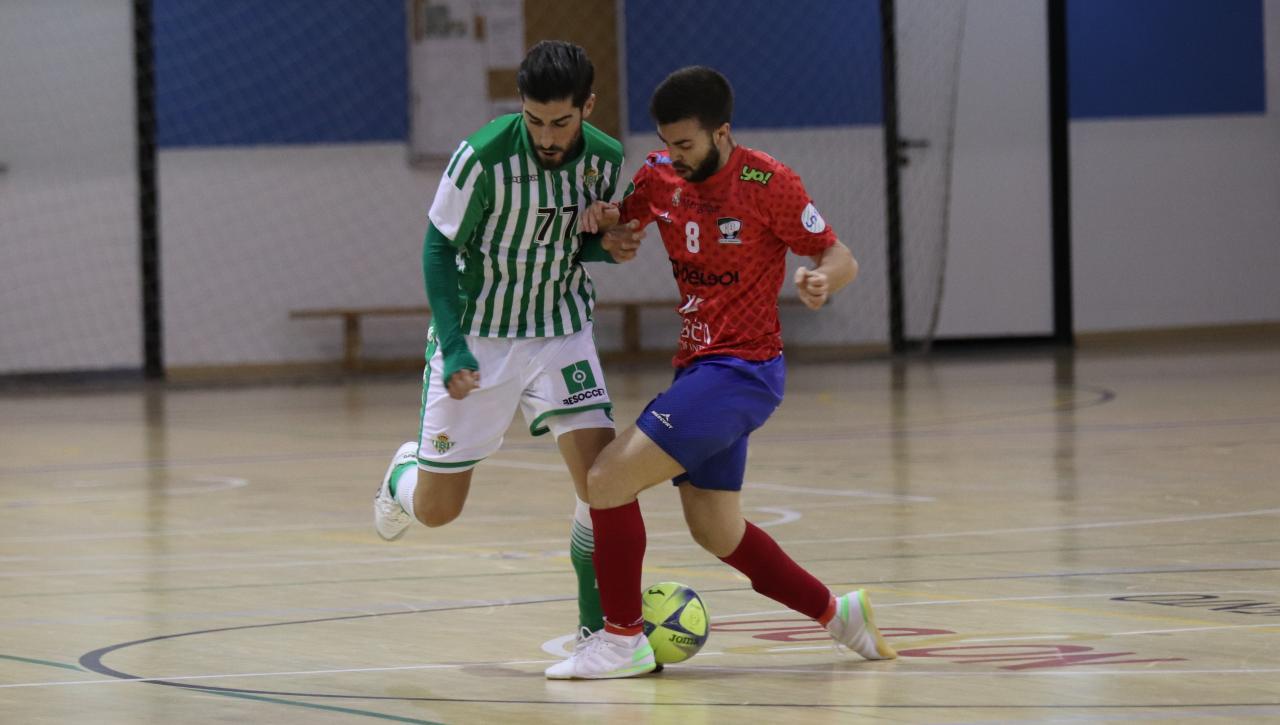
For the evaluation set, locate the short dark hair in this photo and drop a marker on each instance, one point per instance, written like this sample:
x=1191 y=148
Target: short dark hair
x=693 y=92
x=555 y=69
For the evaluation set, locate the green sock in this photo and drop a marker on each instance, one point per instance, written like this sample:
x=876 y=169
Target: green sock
x=581 y=545
x=396 y=473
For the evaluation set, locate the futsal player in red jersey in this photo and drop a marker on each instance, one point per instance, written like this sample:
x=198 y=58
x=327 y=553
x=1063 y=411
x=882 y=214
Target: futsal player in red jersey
x=727 y=215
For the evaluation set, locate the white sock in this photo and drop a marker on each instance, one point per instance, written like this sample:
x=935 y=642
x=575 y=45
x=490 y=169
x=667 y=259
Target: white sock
x=406 y=484
x=582 y=515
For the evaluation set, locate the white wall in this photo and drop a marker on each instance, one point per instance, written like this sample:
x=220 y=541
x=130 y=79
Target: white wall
x=68 y=217
x=999 y=270
x=1176 y=221
x=252 y=233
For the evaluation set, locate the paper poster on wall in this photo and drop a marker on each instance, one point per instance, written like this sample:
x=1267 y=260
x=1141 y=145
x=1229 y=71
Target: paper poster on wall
x=462 y=51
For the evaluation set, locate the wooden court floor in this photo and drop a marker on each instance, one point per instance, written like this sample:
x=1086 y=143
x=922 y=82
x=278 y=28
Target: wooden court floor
x=1047 y=538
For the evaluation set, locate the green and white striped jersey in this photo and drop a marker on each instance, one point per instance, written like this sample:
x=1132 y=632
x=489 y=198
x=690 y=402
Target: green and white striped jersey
x=515 y=225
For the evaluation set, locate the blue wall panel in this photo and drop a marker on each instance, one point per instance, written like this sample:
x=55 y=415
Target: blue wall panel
x=244 y=72
x=1165 y=57
x=798 y=63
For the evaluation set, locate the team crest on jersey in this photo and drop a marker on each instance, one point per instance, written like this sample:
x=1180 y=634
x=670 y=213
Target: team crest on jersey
x=590 y=177
x=442 y=444
x=675 y=197
x=729 y=229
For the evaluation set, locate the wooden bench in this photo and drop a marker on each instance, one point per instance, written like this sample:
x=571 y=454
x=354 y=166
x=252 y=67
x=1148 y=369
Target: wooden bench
x=351 y=340
x=351 y=316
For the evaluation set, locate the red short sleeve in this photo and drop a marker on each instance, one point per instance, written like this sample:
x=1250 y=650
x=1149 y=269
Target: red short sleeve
x=635 y=202
x=793 y=215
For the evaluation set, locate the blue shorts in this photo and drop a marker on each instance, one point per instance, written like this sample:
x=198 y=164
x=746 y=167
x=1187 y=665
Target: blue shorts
x=704 y=418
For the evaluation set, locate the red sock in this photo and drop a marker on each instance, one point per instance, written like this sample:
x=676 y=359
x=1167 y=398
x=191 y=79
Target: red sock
x=775 y=575
x=618 y=558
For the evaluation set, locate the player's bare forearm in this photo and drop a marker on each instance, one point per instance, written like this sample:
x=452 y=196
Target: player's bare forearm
x=839 y=266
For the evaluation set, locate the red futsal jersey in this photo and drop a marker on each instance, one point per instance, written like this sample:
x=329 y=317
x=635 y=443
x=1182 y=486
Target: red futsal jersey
x=727 y=238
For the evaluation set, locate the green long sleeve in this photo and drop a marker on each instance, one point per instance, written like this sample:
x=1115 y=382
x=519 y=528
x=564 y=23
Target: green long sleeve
x=440 y=271
x=593 y=250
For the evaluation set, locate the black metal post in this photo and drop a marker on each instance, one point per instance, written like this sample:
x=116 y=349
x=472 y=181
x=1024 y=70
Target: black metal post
x=893 y=179
x=148 y=192
x=1060 y=173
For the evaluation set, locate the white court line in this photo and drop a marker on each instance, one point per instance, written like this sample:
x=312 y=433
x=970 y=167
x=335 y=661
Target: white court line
x=784 y=516
x=1056 y=527
x=242 y=566
x=790 y=542
x=1060 y=596
x=867 y=672
x=185 y=678
x=527 y=465
x=220 y=483
x=850 y=493
x=1039 y=637
x=864 y=672
x=267 y=528
x=1192 y=629
x=935 y=603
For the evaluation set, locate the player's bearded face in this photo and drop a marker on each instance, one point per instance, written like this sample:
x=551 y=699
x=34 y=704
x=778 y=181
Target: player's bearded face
x=700 y=170
x=555 y=129
x=693 y=150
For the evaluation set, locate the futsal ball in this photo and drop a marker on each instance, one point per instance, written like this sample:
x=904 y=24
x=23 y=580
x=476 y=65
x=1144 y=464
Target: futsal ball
x=675 y=621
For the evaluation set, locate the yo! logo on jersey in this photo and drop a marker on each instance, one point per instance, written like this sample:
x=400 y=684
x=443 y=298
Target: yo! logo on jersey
x=756 y=175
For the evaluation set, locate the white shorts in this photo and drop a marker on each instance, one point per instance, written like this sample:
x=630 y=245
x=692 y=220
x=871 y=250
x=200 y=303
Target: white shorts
x=557 y=382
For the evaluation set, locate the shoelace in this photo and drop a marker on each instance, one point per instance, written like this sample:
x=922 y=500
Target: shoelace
x=584 y=634
x=591 y=646
x=836 y=644
x=391 y=508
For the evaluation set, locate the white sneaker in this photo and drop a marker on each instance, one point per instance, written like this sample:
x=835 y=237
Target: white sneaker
x=605 y=656
x=580 y=639
x=854 y=626
x=389 y=517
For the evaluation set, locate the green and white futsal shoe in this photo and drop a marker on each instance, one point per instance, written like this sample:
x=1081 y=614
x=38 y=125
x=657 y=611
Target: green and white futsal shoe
x=854 y=626
x=389 y=517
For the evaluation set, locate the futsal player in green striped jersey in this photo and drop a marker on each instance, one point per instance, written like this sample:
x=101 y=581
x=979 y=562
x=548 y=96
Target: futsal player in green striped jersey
x=512 y=304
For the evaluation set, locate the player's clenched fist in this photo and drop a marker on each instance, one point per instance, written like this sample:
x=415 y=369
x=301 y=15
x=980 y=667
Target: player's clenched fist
x=813 y=287
x=623 y=240
x=463 y=382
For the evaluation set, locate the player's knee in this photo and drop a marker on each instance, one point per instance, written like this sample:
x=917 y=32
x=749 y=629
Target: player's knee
x=710 y=538
x=703 y=537
x=597 y=483
x=710 y=534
